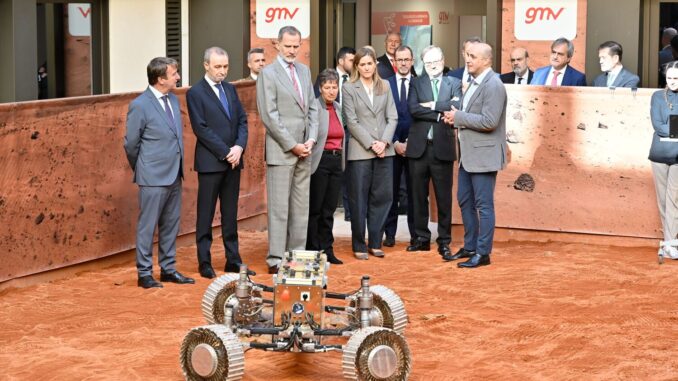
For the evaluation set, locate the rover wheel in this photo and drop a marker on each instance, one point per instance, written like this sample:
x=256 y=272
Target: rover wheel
x=212 y=353
x=219 y=293
x=376 y=354
x=388 y=311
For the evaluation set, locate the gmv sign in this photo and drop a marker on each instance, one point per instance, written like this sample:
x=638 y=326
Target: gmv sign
x=545 y=20
x=274 y=14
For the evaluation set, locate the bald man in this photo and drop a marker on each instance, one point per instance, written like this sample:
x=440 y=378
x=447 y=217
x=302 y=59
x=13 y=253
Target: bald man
x=521 y=73
x=481 y=122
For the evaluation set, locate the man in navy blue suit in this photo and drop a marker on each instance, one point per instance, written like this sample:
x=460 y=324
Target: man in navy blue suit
x=559 y=73
x=400 y=84
x=220 y=124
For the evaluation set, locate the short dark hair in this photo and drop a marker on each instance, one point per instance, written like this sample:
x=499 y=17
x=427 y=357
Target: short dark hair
x=327 y=75
x=288 y=29
x=254 y=51
x=158 y=68
x=615 y=48
x=344 y=51
x=402 y=48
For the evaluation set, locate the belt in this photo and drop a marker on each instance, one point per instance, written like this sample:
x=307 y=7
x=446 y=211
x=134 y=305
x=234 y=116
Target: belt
x=333 y=152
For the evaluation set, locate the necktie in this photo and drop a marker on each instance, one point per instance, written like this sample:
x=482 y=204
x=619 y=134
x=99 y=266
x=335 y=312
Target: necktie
x=395 y=70
x=224 y=101
x=344 y=78
x=434 y=87
x=403 y=92
x=168 y=109
x=468 y=78
x=295 y=83
x=554 y=80
x=520 y=80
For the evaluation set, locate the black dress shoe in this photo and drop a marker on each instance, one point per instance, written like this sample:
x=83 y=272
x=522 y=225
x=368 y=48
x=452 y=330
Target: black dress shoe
x=273 y=269
x=148 y=282
x=175 y=277
x=462 y=253
x=419 y=246
x=389 y=241
x=475 y=261
x=206 y=271
x=331 y=258
x=444 y=250
x=235 y=268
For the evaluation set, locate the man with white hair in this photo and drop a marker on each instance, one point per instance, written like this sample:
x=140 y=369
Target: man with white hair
x=431 y=149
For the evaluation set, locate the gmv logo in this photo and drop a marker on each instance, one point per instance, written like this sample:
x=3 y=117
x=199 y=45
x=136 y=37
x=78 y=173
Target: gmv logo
x=532 y=14
x=279 y=14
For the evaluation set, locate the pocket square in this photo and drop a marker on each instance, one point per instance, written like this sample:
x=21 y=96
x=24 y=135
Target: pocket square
x=455 y=99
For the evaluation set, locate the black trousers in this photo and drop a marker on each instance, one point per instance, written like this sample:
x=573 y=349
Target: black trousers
x=399 y=166
x=422 y=171
x=370 y=196
x=324 y=195
x=224 y=186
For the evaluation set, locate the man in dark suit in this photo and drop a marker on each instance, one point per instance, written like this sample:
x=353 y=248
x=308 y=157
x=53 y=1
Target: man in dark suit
x=386 y=64
x=521 y=73
x=431 y=149
x=666 y=53
x=614 y=73
x=155 y=151
x=559 y=73
x=220 y=124
x=481 y=122
x=400 y=84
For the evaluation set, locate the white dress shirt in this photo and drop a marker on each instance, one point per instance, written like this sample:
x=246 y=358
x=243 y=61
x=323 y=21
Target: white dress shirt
x=158 y=95
x=561 y=74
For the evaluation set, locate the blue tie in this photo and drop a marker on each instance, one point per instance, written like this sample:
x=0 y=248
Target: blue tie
x=168 y=110
x=224 y=101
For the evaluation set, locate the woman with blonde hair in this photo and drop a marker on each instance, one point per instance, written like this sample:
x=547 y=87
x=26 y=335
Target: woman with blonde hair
x=371 y=116
x=664 y=157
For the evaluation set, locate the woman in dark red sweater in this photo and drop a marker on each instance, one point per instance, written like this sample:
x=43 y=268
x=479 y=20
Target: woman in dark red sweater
x=327 y=163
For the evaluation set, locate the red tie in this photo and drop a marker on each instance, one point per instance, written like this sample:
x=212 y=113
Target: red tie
x=393 y=65
x=295 y=84
x=554 y=80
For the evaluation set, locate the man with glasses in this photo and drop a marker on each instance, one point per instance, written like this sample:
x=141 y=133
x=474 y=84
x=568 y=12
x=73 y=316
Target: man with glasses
x=400 y=84
x=559 y=73
x=431 y=149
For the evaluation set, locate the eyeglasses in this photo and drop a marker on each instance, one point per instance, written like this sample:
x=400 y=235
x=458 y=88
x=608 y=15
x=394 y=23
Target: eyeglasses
x=403 y=60
x=429 y=63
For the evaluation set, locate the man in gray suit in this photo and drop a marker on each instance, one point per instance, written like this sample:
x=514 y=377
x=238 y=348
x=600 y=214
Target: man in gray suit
x=482 y=143
x=614 y=73
x=289 y=112
x=155 y=151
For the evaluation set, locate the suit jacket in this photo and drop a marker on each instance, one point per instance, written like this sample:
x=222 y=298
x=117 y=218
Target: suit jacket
x=423 y=117
x=510 y=77
x=216 y=132
x=385 y=69
x=367 y=121
x=288 y=120
x=323 y=128
x=662 y=152
x=153 y=144
x=457 y=73
x=624 y=79
x=482 y=127
x=572 y=77
x=404 y=117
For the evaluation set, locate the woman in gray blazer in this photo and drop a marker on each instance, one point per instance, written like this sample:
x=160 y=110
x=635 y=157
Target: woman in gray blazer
x=664 y=157
x=371 y=116
x=327 y=167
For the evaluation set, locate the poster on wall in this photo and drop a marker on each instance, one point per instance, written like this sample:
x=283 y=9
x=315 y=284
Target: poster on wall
x=417 y=38
x=271 y=15
x=545 y=20
x=386 y=22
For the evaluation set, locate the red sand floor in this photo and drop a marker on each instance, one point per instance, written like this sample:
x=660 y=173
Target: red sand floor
x=541 y=311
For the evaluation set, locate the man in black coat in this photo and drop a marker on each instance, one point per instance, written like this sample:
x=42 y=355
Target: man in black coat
x=431 y=148
x=521 y=73
x=220 y=124
x=386 y=64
